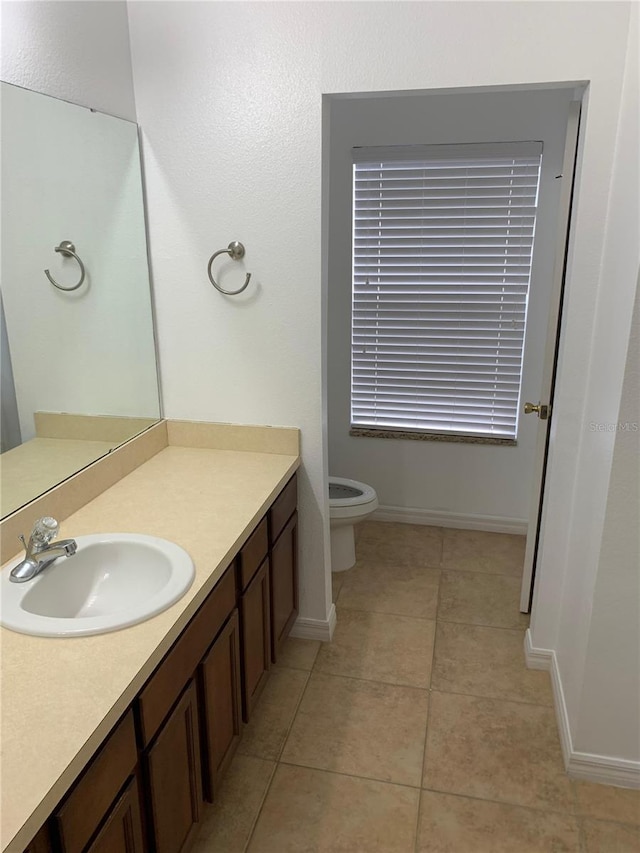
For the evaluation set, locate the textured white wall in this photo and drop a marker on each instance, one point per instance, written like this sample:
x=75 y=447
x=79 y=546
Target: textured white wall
x=580 y=458
x=229 y=96
x=611 y=689
x=74 y=50
x=586 y=604
x=72 y=174
x=467 y=479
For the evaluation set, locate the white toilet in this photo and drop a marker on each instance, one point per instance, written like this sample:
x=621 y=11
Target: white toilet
x=349 y=503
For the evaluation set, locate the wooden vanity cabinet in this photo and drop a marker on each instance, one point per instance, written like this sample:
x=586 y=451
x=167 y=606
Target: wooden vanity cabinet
x=255 y=636
x=174 y=777
x=283 y=555
x=172 y=716
x=220 y=679
x=284 y=585
x=91 y=802
x=144 y=789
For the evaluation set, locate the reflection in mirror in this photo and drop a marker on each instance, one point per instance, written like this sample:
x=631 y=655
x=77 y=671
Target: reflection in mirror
x=78 y=365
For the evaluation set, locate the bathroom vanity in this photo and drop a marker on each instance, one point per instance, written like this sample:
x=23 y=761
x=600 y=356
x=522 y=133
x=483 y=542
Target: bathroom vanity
x=115 y=741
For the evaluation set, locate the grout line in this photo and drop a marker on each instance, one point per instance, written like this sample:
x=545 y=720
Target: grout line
x=424 y=747
x=277 y=761
x=582 y=837
x=491 y=698
x=290 y=763
x=522 y=630
x=536 y=809
x=388 y=613
x=393 y=615
x=480 y=574
x=369 y=680
x=293 y=717
x=261 y=806
x=585 y=817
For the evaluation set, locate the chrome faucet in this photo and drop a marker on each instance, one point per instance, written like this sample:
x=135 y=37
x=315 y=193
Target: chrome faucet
x=41 y=551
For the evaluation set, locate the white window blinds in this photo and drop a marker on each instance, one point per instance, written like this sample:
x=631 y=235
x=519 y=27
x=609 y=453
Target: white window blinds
x=442 y=244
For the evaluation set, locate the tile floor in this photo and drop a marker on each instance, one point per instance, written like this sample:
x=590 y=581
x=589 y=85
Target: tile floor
x=419 y=727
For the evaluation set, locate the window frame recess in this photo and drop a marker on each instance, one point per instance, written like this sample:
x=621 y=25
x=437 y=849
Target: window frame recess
x=442 y=252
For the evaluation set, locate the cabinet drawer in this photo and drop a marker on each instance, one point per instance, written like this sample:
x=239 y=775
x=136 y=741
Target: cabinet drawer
x=253 y=553
x=283 y=508
x=168 y=681
x=92 y=797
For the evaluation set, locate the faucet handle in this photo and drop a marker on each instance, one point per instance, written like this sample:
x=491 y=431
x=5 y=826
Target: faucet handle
x=44 y=530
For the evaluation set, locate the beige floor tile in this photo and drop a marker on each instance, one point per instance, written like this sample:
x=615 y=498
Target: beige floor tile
x=267 y=730
x=380 y=647
x=227 y=824
x=496 y=750
x=451 y=824
x=401 y=545
x=337 y=579
x=297 y=653
x=607 y=802
x=486 y=662
x=477 y=551
x=478 y=599
x=401 y=591
x=311 y=811
x=602 y=837
x=362 y=728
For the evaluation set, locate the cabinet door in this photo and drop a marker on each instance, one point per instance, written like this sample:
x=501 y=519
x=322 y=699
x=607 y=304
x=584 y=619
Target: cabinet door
x=284 y=585
x=255 y=635
x=122 y=833
x=222 y=705
x=91 y=799
x=174 y=774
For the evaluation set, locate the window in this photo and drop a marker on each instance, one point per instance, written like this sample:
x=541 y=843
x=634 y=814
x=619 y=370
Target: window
x=442 y=246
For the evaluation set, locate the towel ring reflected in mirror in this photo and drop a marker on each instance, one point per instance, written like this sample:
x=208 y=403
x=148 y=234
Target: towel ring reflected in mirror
x=235 y=251
x=67 y=249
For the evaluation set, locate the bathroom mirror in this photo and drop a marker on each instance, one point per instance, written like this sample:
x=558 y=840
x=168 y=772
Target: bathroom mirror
x=78 y=357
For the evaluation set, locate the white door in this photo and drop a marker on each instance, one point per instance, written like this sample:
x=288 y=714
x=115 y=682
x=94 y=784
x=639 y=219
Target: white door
x=543 y=408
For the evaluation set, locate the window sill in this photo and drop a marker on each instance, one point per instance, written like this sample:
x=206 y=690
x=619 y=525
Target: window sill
x=363 y=432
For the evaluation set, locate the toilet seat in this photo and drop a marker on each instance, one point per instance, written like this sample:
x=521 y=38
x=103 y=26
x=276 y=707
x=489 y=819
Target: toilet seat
x=363 y=502
x=364 y=493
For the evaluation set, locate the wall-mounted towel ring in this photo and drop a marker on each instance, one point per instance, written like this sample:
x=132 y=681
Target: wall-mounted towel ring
x=67 y=249
x=235 y=251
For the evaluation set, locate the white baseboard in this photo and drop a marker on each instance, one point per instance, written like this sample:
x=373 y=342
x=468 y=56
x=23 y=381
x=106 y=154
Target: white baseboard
x=605 y=769
x=442 y=518
x=315 y=629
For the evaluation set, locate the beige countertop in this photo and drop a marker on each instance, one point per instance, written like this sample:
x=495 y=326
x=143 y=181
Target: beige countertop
x=60 y=697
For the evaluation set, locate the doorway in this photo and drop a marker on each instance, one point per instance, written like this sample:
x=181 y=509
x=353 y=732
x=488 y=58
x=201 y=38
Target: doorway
x=450 y=484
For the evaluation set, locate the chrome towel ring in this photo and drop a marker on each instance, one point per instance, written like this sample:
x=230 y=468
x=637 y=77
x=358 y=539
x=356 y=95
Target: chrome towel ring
x=67 y=249
x=235 y=251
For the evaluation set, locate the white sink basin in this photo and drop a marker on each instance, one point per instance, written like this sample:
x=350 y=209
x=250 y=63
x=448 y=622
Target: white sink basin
x=113 y=580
